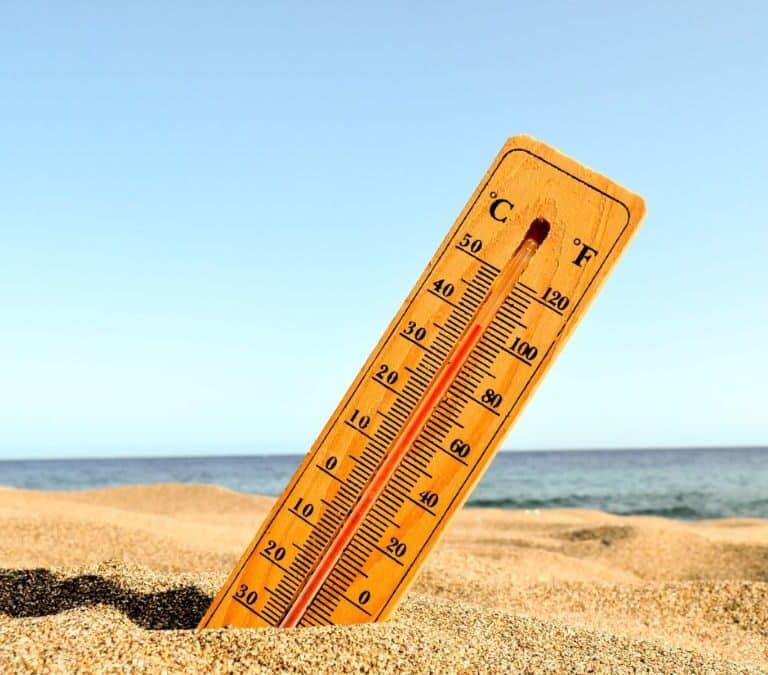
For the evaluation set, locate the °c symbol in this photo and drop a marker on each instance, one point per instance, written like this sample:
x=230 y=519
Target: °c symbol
x=498 y=207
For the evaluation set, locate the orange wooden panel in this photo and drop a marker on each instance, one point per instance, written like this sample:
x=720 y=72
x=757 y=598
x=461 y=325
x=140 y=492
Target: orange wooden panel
x=431 y=405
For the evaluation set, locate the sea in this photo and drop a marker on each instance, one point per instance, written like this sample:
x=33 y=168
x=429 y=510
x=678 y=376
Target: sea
x=687 y=484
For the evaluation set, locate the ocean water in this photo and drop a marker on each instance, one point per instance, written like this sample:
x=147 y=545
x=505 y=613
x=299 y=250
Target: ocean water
x=678 y=483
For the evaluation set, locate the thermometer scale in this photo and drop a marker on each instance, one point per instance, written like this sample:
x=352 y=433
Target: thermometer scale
x=431 y=405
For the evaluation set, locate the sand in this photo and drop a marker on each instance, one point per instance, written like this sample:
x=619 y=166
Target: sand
x=115 y=580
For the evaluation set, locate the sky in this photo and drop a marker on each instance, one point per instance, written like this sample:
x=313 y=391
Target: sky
x=210 y=211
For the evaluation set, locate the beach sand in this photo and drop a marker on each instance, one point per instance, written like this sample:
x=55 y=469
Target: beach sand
x=115 y=580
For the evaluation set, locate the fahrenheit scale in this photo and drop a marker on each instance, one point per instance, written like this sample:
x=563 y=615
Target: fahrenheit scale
x=428 y=410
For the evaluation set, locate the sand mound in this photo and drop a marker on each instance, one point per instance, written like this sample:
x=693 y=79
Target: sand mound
x=119 y=615
x=549 y=591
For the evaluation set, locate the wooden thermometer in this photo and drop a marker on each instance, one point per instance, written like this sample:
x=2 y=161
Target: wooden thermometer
x=427 y=412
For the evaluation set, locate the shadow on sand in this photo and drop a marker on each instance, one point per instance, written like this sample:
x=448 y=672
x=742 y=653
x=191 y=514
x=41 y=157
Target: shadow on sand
x=37 y=592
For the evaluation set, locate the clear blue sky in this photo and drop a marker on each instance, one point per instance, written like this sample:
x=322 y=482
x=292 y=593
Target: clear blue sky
x=185 y=186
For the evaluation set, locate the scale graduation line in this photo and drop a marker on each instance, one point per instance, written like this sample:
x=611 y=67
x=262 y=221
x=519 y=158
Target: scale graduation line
x=427 y=412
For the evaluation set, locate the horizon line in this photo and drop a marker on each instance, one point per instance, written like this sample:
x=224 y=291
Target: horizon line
x=236 y=455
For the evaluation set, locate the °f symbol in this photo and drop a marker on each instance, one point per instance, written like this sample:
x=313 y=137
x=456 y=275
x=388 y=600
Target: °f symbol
x=585 y=254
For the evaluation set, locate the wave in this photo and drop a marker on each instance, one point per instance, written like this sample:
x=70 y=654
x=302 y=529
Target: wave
x=509 y=503
x=677 y=511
